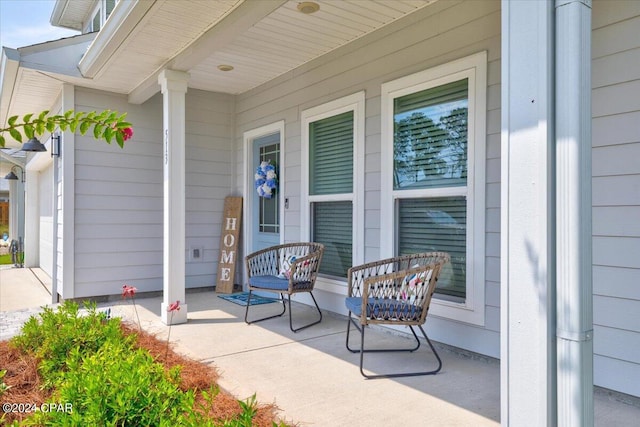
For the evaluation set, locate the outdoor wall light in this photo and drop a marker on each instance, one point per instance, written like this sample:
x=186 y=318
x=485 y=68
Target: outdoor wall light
x=33 y=145
x=12 y=175
x=55 y=145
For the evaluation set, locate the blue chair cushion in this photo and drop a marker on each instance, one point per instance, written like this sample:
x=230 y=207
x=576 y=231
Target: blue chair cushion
x=383 y=308
x=269 y=282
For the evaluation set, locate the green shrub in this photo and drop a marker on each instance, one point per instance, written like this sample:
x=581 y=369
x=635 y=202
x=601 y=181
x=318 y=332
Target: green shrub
x=118 y=386
x=52 y=336
x=105 y=379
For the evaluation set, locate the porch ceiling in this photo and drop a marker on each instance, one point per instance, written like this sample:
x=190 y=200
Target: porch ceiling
x=259 y=39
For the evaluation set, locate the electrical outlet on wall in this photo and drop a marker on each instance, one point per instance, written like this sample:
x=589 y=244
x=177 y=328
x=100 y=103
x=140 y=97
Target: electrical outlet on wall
x=196 y=253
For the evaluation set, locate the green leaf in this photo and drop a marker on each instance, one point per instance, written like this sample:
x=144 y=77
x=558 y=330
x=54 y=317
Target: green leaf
x=124 y=125
x=120 y=139
x=113 y=116
x=28 y=131
x=84 y=127
x=43 y=114
x=108 y=134
x=12 y=120
x=51 y=126
x=97 y=130
x=1 y=141
x=27 y=117
x=15 y=134
x=73 y=125
x=63 y=126
x=40 y=127
x=68 y=114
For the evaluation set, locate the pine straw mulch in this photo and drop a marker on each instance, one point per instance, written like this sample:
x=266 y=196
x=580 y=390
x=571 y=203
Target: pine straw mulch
x=24 y=381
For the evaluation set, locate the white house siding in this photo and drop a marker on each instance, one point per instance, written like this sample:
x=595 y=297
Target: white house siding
x=45 y=202
x=118 y=201
x=209 y=172
x=119 y=205
x=616 y=194
x=432 y=36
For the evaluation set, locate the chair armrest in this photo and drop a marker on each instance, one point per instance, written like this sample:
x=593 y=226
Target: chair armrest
x=305 y=269
x=390 y=283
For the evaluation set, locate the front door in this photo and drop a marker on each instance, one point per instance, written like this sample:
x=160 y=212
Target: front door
x=265 y=215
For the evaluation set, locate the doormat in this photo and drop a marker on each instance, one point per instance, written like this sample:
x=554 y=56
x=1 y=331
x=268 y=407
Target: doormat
x=241 y=299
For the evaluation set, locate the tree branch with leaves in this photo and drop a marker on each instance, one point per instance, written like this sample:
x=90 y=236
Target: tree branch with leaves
x=107 y=125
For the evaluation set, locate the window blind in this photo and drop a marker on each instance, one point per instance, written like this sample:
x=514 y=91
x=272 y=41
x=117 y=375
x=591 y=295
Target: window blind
x=333 y=227
x=437 y=224
x=430 y=137
x=331 y=155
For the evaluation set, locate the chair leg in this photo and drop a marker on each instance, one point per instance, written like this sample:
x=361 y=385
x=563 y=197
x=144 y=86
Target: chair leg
x=350 y=320
x=361 y=327
x=397 y=375
x=305 y=326
x=246 y=313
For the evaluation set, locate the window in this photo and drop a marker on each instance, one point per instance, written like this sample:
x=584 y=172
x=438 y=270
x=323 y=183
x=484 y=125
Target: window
x=268 y=213
x=100 y=15
x=332 y=214
x=433 y=138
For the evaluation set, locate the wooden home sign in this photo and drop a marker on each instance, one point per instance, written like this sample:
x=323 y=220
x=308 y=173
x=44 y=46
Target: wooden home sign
x=231 y=218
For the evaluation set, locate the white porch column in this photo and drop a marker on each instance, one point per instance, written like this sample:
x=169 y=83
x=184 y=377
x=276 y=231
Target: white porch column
x=16 y=206
x=528 y=383
x=174 y=88
x=573 y=201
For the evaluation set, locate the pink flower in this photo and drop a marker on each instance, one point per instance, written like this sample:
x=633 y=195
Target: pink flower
x=128 y=291
x=174 y=306
x=127 y=133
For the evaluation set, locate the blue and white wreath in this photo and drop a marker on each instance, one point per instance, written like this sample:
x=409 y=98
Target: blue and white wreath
x=266 y=180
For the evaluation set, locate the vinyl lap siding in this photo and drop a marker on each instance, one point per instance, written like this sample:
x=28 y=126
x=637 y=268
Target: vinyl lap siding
x=208 y=179
x=432 y=36
x=119 y=194
x=118 y=205
x=616 y=199
x=45 y=183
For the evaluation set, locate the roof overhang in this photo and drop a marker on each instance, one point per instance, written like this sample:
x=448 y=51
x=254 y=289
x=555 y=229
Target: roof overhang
x=261 y=40
x=31 y=77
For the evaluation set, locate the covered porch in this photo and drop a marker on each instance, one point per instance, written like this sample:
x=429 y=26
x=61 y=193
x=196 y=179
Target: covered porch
x=254 y=71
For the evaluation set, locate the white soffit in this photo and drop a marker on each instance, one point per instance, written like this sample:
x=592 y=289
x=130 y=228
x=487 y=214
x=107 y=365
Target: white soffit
x=287 y=39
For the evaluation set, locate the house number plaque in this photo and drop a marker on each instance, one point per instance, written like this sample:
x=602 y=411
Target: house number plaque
x=231 y=219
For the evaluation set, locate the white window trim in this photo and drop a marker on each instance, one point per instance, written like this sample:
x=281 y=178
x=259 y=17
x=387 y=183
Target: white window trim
x=101 y=8
x=249 y=137
x=355 y=103
x=474 y=68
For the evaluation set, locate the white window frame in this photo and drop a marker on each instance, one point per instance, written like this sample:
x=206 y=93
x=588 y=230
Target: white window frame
x=474 y=68
x=355 y=103
x=100 y=8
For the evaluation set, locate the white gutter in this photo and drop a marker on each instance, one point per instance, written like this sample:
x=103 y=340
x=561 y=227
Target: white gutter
x=574 y=287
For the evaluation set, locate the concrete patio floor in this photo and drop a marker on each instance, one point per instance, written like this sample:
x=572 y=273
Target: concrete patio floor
x=314 y=380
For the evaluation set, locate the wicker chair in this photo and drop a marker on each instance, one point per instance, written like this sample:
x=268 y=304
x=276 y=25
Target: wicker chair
x=285 y=269
x=394 y=291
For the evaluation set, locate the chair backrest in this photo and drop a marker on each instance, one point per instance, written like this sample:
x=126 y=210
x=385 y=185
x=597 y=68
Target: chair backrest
x=399 y=289
x=299 y=262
